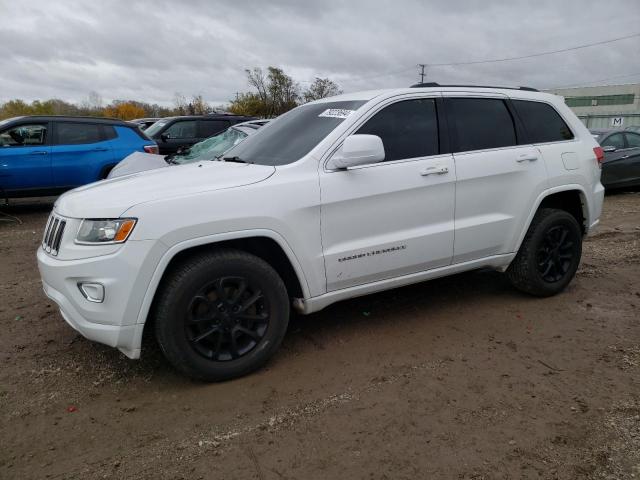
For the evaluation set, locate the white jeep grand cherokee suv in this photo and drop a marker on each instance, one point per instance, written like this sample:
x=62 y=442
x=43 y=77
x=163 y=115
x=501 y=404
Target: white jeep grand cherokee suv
x=337 y=198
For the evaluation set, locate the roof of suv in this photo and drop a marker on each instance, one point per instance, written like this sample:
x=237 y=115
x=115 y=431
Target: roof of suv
x=366 y=95
x=71 y=118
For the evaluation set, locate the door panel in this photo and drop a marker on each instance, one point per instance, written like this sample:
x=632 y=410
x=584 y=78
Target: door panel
x=25 y=158
x=387 y=220
x=495 y=189
x=79 y=154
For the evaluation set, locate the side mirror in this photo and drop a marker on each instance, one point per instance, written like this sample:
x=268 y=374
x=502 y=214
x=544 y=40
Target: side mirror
x=165 y=136
x=358 y=150
x=609 y=149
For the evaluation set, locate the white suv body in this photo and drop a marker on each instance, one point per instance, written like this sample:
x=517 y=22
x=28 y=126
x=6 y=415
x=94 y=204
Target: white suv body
x=330 y=218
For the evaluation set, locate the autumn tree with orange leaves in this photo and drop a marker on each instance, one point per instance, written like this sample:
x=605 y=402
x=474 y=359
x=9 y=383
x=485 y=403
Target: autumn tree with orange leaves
x=124 y=111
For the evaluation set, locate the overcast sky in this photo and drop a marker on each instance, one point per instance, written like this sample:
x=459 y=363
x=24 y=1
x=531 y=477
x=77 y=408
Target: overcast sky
x=149 y=50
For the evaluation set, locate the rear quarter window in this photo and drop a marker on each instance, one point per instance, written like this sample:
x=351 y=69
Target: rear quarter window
x=541 y=121
x=108 y=132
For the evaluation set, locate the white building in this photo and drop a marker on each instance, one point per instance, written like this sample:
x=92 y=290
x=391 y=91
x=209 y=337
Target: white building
x=607 y=106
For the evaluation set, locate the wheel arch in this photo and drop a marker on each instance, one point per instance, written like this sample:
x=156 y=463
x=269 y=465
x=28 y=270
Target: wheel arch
x=571 y=198
x=265 y=244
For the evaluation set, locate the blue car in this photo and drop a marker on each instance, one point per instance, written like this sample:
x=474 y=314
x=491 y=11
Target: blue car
x=47 y=155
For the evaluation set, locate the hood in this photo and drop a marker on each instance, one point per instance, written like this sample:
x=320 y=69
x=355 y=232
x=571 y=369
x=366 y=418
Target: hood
x=138 y=162
x=111 y=198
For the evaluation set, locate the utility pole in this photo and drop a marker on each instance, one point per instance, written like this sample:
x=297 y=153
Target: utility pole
x=422 y=72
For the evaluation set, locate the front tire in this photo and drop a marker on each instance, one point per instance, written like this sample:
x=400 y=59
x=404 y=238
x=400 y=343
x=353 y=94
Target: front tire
x=549 y=255
x=221 y=314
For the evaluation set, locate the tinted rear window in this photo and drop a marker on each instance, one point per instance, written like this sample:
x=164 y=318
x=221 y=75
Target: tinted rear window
x=77 y=133
x=542 y=122
x=481 y=123
x=408 y=129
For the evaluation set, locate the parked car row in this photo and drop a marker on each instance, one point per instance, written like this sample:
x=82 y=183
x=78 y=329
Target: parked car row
x=47 y=155
x=173 y=133
x=209 y=149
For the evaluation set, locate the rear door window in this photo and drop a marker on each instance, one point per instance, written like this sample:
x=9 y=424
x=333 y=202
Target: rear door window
x=408 y=129
x=211 y=127
x=24 y=136
x=70 y=133
x=542 y=122
x=481 y=123
x=184 y=129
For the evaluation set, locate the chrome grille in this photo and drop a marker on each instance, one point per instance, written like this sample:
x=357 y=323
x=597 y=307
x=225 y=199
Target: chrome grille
x=53 y=234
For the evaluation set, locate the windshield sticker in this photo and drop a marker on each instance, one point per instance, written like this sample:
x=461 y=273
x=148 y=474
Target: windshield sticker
x=336 y=113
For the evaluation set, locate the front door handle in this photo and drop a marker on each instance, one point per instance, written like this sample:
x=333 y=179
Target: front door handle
x=530 y=157
x=39 y=152
x=435 y=170
x=100 y=149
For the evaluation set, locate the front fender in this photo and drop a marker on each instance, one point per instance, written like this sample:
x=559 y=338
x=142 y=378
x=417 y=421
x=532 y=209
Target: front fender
x=173 y=250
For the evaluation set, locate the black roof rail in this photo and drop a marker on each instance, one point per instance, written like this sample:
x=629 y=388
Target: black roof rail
x=435 y=84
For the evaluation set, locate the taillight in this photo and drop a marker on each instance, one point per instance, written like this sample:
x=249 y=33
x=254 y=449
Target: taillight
x=151 y=149
x=599 y=155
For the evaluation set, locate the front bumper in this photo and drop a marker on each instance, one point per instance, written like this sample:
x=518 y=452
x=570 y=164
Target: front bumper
x=112 y=322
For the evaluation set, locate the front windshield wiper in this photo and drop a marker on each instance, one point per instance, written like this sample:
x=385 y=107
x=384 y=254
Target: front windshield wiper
x=235 y=159
x=169 y=159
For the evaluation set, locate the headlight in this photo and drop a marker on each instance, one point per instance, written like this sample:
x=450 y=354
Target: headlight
x=114 y=230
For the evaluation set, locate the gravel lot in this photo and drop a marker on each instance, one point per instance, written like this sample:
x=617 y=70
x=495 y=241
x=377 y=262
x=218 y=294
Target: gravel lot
x=461 y=377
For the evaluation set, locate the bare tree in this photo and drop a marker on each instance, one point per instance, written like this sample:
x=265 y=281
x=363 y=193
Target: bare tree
x=321 y=88
x=198 y=106
x=180 y=103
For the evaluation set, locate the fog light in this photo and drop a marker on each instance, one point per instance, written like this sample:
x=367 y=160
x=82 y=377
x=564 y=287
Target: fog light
x=94 y=292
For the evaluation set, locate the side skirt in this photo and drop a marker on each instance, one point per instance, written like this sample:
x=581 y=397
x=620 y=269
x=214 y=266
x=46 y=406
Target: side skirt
x=314 y=304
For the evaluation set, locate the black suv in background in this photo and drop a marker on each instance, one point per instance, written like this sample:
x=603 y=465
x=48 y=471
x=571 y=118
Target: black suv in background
x=171 y=133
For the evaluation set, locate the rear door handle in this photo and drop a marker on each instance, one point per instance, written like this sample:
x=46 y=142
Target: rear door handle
x=39 y=152
x=530 y=157
x=100 y=149
x=435 y=170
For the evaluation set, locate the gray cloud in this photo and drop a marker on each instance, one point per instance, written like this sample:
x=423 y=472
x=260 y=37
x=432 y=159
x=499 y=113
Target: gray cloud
x=149 y=50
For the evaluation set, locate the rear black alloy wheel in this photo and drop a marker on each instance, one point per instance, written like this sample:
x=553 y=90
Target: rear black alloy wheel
x=555 y=253
x=220 y=314
x=227 y=318
x=549 y=255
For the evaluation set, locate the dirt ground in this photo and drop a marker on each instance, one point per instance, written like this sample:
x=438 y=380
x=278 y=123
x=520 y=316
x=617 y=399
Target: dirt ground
x=458 y=378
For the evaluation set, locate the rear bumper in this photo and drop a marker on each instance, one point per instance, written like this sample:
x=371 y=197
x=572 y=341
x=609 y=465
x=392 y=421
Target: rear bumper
x=596 y=208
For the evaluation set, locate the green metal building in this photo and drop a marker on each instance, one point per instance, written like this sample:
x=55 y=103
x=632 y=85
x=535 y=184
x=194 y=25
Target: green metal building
x=607 y=106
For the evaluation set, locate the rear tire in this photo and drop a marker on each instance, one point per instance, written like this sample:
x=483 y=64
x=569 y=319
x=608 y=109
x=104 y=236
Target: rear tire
x=549 y=255
x=221 y=314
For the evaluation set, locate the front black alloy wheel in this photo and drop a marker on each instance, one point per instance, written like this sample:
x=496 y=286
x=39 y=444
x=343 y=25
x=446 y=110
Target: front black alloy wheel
x=549 y=255
x=227 y=318
x=221 y=314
